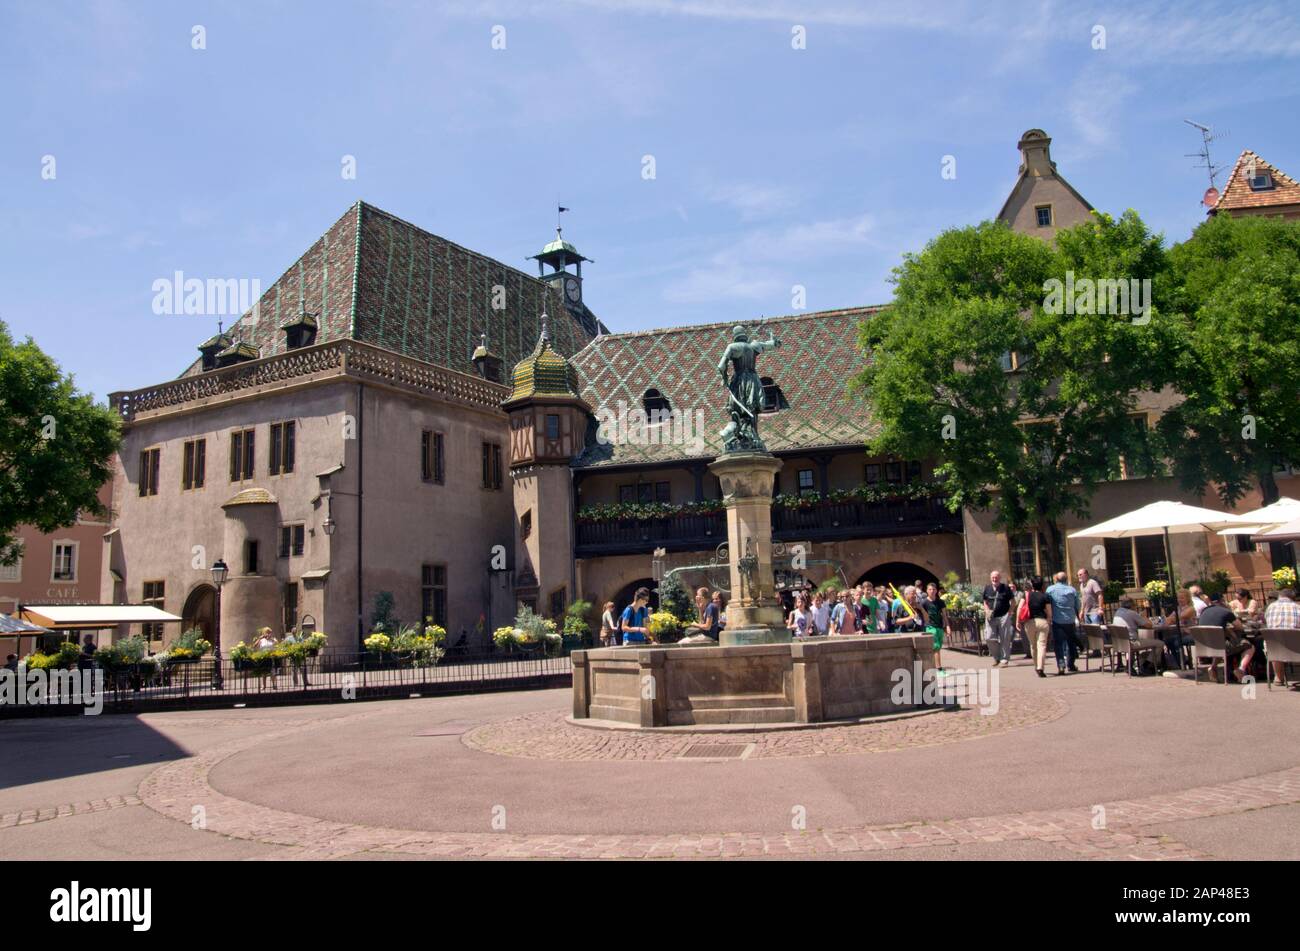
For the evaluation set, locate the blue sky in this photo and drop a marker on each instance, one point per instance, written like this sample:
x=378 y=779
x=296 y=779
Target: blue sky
x=774 y=166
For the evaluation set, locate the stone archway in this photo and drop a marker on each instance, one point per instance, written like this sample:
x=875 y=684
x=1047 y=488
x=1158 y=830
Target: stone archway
x=900 y=573
x=201 y=611
x=624 y=596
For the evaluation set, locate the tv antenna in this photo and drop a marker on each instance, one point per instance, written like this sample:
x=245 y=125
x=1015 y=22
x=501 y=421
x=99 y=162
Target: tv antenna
x=1207 y=136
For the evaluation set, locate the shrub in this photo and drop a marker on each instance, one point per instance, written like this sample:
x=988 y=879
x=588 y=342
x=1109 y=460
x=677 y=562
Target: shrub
x=381 y=614
x=1114 y=590
x=535 y=628
x=675 y=599
x=575 y=620
x=193 y=642
x=379 y=642
x=503 y=636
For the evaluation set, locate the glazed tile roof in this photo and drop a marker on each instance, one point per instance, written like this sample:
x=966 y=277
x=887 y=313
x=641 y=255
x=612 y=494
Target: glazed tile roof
x=376 y=278
x=1237 y=193
x=543 y=373
x=818 y=353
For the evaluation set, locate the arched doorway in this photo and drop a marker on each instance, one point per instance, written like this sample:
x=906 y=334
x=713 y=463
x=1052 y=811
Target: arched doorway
x=624 y=596
x=201 y=611
x=898 y=573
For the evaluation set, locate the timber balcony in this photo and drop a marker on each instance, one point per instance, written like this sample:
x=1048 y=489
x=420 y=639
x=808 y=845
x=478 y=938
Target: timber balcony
x=818 y=521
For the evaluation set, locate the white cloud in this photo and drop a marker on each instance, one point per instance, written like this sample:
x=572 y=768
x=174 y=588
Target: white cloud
x=752 y=199
x=758 y=265
x=1096 y=103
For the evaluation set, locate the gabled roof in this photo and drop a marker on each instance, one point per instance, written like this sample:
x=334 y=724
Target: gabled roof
x=1237 y=193
x=1027 y=176
x=818 y=352
x=376 y=278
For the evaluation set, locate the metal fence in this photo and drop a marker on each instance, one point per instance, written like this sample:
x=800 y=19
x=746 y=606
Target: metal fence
x=330 y=677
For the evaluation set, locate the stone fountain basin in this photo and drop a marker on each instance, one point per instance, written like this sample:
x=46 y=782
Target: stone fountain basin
x=803 y=681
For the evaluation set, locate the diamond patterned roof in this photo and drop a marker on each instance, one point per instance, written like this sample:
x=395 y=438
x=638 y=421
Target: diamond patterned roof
x=376 y=278
x=819 y=351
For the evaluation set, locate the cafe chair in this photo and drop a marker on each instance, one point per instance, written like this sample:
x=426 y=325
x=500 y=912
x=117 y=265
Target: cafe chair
x=1124 y=641
x=1212 y=644
x=1281 y=644
x=1096 y=639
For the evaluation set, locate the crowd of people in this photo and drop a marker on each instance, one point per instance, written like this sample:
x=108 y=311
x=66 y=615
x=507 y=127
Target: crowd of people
x=1056 y=614
x=1041 y=613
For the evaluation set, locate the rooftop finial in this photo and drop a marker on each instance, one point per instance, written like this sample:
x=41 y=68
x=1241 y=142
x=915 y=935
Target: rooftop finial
x=545 y=335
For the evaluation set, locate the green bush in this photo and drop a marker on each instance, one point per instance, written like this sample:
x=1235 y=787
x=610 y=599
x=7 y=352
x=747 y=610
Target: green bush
x=675 y=599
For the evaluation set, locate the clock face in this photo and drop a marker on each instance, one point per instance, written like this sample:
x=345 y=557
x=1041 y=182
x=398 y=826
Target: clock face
x=572 y=290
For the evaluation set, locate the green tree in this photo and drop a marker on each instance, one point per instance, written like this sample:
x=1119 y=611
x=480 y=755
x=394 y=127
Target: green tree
x=675 y=599
x=56 y=445
x=1022 y=398
x=1239 y=374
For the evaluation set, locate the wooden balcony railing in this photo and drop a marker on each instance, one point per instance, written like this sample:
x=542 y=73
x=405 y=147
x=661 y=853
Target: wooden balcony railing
x=820 y=521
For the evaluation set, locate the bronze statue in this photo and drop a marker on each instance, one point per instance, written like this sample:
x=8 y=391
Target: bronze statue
x=744 y=390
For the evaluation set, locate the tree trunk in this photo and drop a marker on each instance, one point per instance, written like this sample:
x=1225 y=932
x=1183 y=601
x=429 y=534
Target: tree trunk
x=1278 y=554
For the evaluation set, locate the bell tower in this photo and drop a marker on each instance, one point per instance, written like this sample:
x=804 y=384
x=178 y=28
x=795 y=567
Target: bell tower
x=548 y=426
x=558 y=256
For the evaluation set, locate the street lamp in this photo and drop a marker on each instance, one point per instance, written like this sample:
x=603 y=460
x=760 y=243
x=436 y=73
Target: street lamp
x=219 y=573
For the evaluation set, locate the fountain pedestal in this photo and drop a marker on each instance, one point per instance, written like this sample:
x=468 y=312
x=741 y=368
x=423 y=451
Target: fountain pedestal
x=754 y=614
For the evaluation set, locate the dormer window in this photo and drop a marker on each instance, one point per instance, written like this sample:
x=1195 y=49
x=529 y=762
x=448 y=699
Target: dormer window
x=657 y=407
x=300 y=336
x=773 y=399
x=237 y=353
x=299 y=331
x=1262 y=182
x=211 y=349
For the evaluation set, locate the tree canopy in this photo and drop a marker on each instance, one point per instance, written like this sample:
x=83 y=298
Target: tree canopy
x=1002 y=359
x=1238 y=299
x=56 y=445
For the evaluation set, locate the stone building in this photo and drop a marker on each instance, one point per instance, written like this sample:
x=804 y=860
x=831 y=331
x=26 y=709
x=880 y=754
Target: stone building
x=59 y=567
x=345 y=438
x=356 y=433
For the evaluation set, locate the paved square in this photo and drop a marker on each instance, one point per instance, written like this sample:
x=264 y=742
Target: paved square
x=1090 y=766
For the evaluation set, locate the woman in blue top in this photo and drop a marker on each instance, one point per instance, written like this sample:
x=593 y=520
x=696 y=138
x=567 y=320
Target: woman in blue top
x=636 y=617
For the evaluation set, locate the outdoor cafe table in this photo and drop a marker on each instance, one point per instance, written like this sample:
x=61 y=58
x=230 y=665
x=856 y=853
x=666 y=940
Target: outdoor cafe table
x=1167 y=631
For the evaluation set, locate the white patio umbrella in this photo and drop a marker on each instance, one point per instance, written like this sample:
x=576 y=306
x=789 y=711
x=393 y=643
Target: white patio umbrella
x=1280 y=512
x=1287 y=532
x=1167 y=518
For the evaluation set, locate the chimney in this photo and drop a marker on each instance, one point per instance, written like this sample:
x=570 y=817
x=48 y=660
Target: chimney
x=1035 y=153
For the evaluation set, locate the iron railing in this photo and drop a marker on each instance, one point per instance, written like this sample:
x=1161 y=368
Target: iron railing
x=331 y=677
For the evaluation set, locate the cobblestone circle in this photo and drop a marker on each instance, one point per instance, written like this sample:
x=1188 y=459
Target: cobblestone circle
x=546 y=736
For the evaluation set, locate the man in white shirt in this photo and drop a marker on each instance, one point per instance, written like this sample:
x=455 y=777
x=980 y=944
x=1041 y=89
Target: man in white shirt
x=821 y=615
x=1198 y=599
